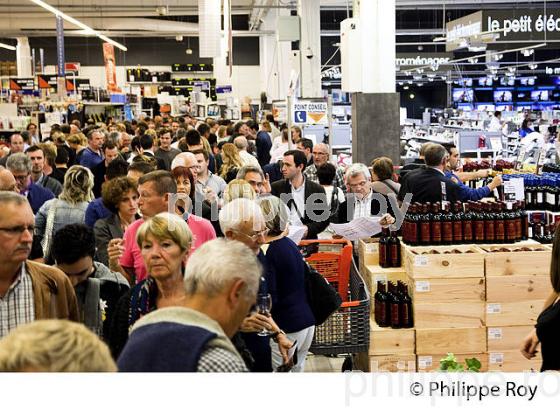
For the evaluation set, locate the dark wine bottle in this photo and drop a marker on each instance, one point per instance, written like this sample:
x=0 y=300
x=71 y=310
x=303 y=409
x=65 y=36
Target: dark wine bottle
x=468 y=229
x=518 y=221
x=489 y=224
x=405 y=314
x=381 y=298
x=425 y=222
x=447 y=226
x=458 y=223
x=524 y=222
x=435 y=228
x=500 y=222
x=414 y=226
x=394 y=250
x=394 y=306
x=384 y=259
x=478 y=222
x=510 y=223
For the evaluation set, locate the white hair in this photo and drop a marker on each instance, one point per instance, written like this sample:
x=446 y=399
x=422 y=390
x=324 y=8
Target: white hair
x=238 y=211
x=181 y=160
x=241 y=143
x=357 y=169
x=206 y=276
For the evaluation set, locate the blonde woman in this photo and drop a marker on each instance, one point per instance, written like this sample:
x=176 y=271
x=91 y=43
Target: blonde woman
x=165 y=242
x=77 y=142
x=231 y=162
x=70 y=207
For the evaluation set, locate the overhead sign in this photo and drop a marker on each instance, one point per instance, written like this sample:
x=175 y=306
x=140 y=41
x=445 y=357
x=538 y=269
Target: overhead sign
x=310 y=113
x=60 y=45
x=110 y=67
x=22 y=84
x=47 y=82
x=524 y=24
x=457 y=31
x=82 y=84
x=423 y=59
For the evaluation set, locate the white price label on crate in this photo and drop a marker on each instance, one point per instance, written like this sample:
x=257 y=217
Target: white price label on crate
x=401 y=365
x=424 y=362
x=494 y=333
x=380 y=278
x=496 y=358
x=422 y=286
x=420 y=260
x=493 y=308
x=371 y=248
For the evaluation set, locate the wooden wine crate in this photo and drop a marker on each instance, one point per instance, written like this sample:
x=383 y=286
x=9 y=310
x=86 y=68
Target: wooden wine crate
x=392 y=363
x=439 y=341
x=420 y=265
x=517 y=263
x=512 y=361
x=374 y=273
x=506 y=337
x=431 y=363
x=368 y=252
x=523 y=312
x=445 y=315
x=449 y=290
x=517 y=288
x=387 y=341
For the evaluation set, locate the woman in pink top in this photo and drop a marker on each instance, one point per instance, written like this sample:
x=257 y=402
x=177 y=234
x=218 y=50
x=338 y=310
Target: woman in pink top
x=201 y=228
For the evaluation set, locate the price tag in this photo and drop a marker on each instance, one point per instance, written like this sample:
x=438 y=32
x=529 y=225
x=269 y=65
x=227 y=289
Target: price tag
x=401 y=365
x=379 y=278
x=493 y=308
x=496 y=144
x=420 y=260
x=509 y=191
x=496 y=358
x=131 y=78
x=372 y=248
x=154 y=79
x=494 y=333
x=424 y=362
x=422 y=286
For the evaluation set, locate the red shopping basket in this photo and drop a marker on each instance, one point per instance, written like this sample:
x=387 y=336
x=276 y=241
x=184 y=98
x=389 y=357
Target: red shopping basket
x=332 y=259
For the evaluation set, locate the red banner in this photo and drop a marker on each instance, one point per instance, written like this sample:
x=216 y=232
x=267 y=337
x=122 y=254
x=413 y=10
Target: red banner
x=110 y=67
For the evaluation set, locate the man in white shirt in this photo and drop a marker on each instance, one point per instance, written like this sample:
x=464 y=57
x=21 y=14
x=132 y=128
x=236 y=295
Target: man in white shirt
x=496 y=122
x=248 y=159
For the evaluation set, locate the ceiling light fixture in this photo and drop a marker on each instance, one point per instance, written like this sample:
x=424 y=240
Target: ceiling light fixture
x=7 y=46
x=78 y=23
x=527 y=53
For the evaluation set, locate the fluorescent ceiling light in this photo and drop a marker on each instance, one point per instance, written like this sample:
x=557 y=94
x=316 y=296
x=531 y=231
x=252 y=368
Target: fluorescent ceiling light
x=7 y=46
x=87 y=29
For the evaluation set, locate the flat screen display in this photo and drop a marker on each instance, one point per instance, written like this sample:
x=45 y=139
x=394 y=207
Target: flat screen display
x=540 y=95
x=463 y=95
x=503 y=96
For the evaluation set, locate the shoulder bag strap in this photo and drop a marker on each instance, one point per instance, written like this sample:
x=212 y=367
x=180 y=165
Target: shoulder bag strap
x=47 y=237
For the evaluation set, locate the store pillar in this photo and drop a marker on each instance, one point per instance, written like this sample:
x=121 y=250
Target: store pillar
x=310 y=48
x=376 y=107
x=23 y=57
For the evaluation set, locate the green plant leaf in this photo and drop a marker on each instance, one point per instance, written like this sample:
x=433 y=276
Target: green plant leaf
x=473 y=365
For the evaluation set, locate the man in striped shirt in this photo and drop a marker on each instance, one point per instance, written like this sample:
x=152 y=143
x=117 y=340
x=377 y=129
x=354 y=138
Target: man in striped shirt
x=28 y=290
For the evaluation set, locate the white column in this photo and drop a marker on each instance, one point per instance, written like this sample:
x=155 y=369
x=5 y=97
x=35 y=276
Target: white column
x=310 y=48
x=275 y=63
x=23 y=57
x=378 y=29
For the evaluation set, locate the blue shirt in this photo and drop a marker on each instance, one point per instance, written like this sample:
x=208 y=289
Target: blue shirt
x=466 y=193
x=90 y=159
x=96 y=210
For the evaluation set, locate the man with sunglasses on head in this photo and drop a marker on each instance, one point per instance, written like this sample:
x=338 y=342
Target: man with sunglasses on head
x=29 y=290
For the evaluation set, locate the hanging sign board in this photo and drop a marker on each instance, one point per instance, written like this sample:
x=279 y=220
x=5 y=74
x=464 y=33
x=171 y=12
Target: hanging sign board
x=110 y=67
x=310 y=113
x=462 y=29
x=47 y=82
x=22 y=84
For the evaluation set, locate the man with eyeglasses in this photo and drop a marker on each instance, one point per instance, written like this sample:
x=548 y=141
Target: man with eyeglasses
x=255 y=177
x=320 y=157
x=29 y=290
x=20 y=166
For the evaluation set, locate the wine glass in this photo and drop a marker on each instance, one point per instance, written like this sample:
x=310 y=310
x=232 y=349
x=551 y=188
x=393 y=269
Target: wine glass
x=264 y=304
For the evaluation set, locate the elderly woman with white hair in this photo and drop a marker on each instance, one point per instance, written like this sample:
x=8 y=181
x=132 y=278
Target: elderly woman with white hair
x=291 y=311
x=165 y=242
x=70 y=207
x=242 y=220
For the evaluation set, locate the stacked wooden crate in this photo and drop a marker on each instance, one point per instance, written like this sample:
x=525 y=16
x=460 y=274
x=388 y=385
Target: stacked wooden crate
x=517 y=284
x=448 y=293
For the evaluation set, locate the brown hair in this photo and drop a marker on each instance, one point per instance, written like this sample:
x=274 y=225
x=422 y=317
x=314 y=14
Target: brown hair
x=114 y=190
x=383 y=168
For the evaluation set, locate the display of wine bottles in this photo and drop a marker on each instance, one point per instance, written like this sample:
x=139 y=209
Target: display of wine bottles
x=393 y=305
x=470 y=222
x=542 y=192
x=389 y=249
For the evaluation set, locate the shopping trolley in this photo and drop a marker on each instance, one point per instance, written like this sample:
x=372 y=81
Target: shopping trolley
x=347 y=330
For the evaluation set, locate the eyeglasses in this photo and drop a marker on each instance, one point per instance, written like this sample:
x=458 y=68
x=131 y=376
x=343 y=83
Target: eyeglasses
x=21 y=177
x=18 y=230
x=256 y=235
x=358 y=185
x=320 y=153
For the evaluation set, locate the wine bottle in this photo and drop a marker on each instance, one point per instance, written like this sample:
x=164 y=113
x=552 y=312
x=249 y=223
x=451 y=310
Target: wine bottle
x=405 y=313
x=425 y=222
x=478 y=222
x=500 y=222
x=524 y=222
x=380 y=311
x=458 y=223
x=394 y=250
x=384 y=248
x=436 y=224
x=468 y=229
x=447 y=226
x=394 y=305
x=518 y=221
x=510 y=223
x=489 y=224
x=414 y=225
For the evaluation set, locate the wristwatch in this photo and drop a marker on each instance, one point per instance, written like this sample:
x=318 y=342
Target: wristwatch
x=274 y=336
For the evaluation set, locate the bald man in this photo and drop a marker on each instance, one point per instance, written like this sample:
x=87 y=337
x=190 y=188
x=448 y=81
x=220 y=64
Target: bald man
x=241 y=144
x=7 y=181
